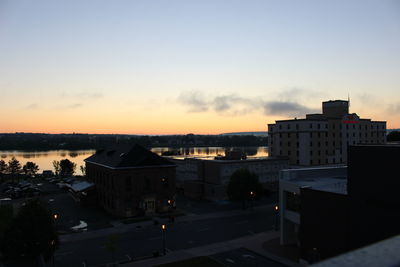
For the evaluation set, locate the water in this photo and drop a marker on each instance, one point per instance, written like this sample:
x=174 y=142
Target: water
x=44 y=159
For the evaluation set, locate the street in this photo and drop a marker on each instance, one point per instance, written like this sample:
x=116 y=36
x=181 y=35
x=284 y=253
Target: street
x=179 y=235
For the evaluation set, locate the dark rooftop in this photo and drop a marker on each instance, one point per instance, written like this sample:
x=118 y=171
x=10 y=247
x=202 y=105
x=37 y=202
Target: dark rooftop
x=127 y=157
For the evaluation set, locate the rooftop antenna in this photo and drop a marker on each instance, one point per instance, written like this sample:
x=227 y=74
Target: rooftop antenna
x=348 y=99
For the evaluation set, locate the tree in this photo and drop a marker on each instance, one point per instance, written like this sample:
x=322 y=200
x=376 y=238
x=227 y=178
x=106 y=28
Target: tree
x=3 y=167
x=243 y=185
x=30 y=235
x=393 y=136
x=83 y=170
x=56 y=166
x=14 y=167
x=67 y=167
x=30 y=168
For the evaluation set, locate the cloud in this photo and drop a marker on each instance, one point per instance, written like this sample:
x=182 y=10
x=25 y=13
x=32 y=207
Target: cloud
x=286 y=108
x=195 y=100
x=234 y=105
x=394 y=108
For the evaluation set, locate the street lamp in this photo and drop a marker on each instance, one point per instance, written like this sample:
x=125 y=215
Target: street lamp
x=163 y=232
x=252 y=198
x=276 y=208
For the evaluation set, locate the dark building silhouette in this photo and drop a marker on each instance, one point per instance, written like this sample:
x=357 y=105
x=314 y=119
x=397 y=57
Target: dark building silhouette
x=131 y=180
x=333 y=220
x=373 y=188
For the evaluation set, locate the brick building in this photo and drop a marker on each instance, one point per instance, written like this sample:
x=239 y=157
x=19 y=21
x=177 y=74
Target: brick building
x=131 y=180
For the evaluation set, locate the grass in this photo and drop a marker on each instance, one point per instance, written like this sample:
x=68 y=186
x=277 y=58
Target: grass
x=202 y=261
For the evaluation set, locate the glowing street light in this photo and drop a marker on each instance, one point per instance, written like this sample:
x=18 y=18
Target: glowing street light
x=276 y=217
x=163 y=231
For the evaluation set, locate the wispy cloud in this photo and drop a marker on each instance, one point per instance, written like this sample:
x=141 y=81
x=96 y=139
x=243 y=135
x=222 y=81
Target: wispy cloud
x=194 y=100
x=394 y=108
x=287 y=108
x=234 y=105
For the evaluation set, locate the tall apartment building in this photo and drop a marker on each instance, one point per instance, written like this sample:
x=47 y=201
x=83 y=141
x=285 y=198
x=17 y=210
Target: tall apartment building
x=323 y=138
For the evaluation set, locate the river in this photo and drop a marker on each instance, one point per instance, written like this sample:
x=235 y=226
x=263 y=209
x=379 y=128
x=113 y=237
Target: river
x=44 y=159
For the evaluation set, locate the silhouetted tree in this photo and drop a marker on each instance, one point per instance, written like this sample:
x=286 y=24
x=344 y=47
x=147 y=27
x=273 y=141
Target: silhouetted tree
x=14 y=167
x=393 y=136
x=67 y=167
x=30 y=235
x=3 y=167
x=83 y=170
x=30 y=168
x=56 y=166
x=243 y=185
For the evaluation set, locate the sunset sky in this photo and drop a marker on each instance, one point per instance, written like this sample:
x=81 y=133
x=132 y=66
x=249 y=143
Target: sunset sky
x=206 y=67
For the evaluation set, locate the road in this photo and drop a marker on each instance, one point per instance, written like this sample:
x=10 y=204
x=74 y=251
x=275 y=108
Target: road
x=179 y=235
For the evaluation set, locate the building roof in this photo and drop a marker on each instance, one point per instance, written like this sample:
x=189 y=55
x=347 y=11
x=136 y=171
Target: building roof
x=81 y=186
x=127 y=157
x=329 y=179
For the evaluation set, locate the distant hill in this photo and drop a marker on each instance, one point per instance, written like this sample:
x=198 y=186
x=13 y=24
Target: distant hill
x=247 y=133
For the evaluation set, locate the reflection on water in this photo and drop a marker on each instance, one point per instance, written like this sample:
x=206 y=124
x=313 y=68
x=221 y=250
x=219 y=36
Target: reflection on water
x=261 y=151
x=45 y=158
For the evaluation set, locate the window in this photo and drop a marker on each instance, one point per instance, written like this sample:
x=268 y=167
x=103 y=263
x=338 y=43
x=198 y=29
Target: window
x=310 y=125
x=297 y=126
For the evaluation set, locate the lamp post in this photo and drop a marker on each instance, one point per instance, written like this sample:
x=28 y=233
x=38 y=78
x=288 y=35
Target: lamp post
x=163 y=232
x=55 y=217
x=252 y=199
x=276 y=208
x=53 y=245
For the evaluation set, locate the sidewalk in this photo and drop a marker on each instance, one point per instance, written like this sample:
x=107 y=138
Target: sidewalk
x=253 y=243
x=123 y=228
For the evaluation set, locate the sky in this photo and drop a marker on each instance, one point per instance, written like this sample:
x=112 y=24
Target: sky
x=203 y=67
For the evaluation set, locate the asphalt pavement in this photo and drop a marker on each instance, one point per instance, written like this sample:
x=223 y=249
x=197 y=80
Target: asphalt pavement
x=139 y=242
x=244 y=257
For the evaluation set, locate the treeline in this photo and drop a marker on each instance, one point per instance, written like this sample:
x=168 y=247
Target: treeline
x=31 y=141
x=393 y=136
